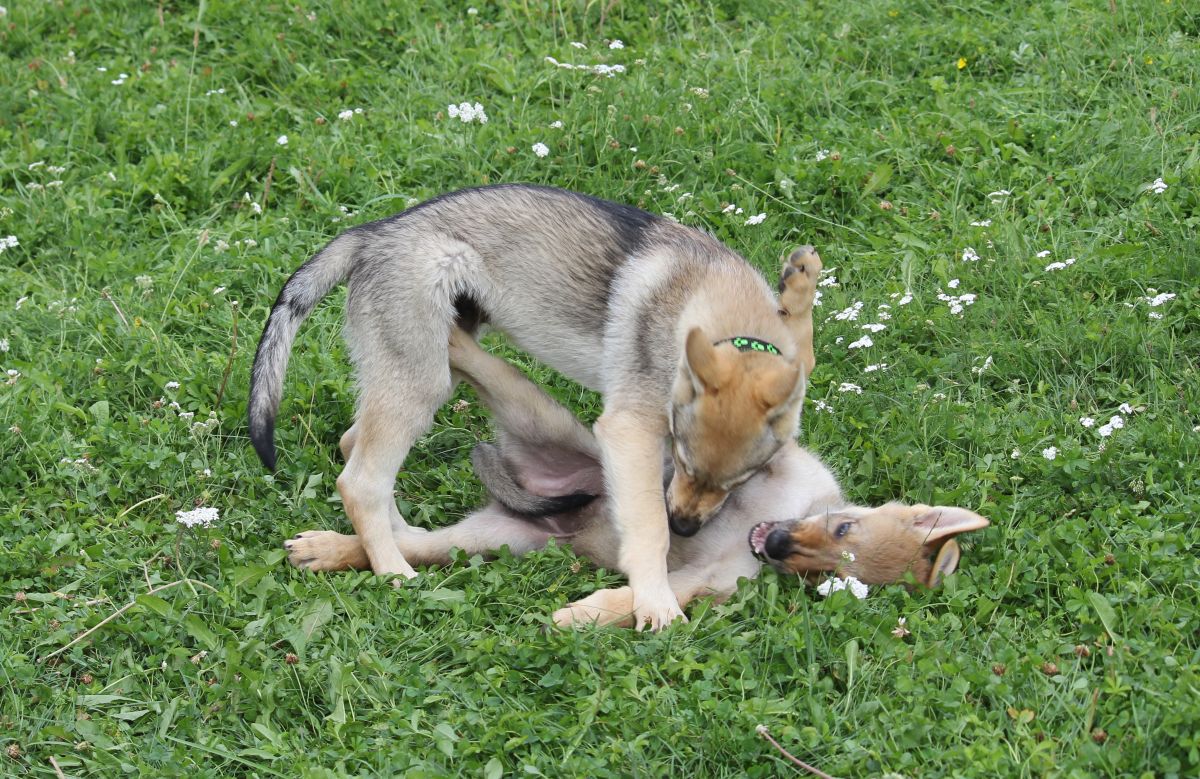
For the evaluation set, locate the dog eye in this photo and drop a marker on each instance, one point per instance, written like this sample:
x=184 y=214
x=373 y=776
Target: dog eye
x=842 y=530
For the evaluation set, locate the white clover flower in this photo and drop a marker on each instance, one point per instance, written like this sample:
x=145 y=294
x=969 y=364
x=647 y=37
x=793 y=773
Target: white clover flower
x=757 y=219
x=1050 y=452
x=1158 y=186
x=952 y=283
x=203 y=516
x=982 y=223
x=822 y=155
x=541 y=149
x=282 y=140
x=556 y=124
x=900 y=631
x=617 y=44
x=1087 y=421
x=1015 y=454
x=467 y=113
x=862 y=343
x=832 y=585
x=969 y=255
x=347 y=114
x=847 y=386
x=850 y=313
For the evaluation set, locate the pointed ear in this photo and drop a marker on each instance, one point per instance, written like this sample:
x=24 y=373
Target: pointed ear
x=703 y=363
x=780 y=386
x=934 y=523
x=945 y=563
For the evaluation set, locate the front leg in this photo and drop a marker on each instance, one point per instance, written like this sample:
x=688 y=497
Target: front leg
x=631 y=445
x=797 y=292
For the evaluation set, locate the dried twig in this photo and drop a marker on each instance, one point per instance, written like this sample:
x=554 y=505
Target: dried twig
x=57 y=770
x=762 y=731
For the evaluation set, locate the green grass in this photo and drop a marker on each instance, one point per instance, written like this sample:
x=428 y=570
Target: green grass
x=251 y=668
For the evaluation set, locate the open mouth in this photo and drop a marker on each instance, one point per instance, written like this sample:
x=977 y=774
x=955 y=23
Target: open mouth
x=758 y=538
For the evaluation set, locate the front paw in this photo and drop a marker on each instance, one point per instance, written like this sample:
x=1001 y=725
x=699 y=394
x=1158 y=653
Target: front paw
x=798 y=280
x=656 y=614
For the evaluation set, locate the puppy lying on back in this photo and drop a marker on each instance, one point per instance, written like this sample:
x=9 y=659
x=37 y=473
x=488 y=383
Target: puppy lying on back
x=545 y=481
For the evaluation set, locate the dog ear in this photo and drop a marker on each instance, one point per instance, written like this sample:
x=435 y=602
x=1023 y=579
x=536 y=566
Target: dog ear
x=945 y=563
x=704 y=365
x=937 y=522
x=780 y=386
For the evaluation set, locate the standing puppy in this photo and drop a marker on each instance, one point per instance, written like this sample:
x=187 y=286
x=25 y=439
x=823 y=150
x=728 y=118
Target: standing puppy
x=678 y=333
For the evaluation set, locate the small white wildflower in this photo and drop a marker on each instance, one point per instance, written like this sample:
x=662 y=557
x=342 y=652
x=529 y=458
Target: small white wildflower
x=757 y=219
x=172 y=385
x=981 y=368
x=282 y=140
x=982 y=223
x=862 y=343
x=728 y=209
x=556 y=124
x=472 y=11
x=1015 y=454
x=186 y=415
x=1043 y=254
x=347 y=114
x=221 y=246
x=8 y=242
x=218 y=290
x=1056 y=266
x=4 y=13
x=832 y=585
x=828 y=281
x=900 y=631
x=617 y=44
x=1104 y=431
x=3 y=345
x=1116 y=422
x=952 y=283
x=850 y=313
x=579 y=44
x=969 y=255
x=467 y=113
x=848 y=556
x=204 y=516
x=1158 y=187
x=207 y=472
x=233 y=123
x=143 y=281
x=1154 y=302
x=1050 y=452
x=541 y=149
x=1155 y=315
x=874 y=327
x=822 y=155
x=877 y=367
x=120 y=80
x=998 y=195
x=821 y=405
x=1125 y=408
x=939 y=396
x=904 y=301
x=255 y=206
x=847 y=386
x=817 y=297
x=1087 y=421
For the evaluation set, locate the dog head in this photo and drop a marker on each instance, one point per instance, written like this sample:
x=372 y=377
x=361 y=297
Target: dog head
x=730 y=413
x=875 y=545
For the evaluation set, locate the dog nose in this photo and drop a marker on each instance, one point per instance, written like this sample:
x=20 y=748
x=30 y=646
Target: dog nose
x=683 y=526
x=778 y=544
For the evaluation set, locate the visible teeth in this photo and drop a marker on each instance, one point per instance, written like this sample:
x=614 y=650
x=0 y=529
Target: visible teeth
x=758 y=537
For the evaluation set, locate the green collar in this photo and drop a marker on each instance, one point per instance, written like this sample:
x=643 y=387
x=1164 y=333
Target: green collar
x=744 y=343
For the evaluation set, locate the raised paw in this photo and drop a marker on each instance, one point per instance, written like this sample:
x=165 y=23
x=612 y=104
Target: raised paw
x=325 y=550
x=798 y=280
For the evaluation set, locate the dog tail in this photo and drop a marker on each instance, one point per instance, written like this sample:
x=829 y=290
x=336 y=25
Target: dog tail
x=311 y=282
x=502 y=485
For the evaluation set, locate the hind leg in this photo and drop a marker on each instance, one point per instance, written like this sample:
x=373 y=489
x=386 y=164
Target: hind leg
x=395 y=410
